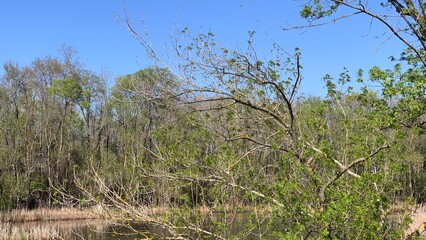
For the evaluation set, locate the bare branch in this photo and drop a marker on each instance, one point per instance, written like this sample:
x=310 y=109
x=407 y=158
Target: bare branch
x=347 y=169
x=389 y=26
x=341 y=166
x=311 y=25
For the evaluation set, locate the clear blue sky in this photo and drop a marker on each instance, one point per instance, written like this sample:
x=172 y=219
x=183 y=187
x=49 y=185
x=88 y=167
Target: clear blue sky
x=32 y=29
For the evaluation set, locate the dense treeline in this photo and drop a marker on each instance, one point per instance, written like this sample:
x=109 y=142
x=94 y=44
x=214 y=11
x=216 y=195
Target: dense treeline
x=325 y=164
x=50 y=118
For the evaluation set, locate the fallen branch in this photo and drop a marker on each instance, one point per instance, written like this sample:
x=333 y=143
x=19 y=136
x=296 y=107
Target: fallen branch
x=346 y=169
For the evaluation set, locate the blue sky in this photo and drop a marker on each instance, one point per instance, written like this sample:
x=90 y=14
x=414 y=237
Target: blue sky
x=32 y=29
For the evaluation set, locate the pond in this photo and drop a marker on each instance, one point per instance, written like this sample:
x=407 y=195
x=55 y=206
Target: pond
x=107 y=230
x=82 y=229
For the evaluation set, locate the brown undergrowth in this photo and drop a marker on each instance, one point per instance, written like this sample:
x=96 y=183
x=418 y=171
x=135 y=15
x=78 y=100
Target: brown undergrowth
x=418 y=224
x=45 y=214
x=9 y=231
x=44 y=223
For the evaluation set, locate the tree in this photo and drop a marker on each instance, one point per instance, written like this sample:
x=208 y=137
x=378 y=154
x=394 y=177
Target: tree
x=42 y=132
x=322 y=174
x=405 y=20
x=318 y=150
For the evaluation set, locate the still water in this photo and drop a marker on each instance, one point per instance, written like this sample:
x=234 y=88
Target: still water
x=109 y=230
x=85 y=229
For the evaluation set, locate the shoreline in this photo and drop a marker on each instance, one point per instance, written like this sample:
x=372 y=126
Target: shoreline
x=99 y=212
x=50 y=214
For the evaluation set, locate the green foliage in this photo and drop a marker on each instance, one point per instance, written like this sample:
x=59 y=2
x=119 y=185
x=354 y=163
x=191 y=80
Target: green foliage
x=68 y=88
x=302 y=167
x=316 y=10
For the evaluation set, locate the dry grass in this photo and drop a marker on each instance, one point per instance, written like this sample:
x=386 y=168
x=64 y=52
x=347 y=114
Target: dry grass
x=62 y=214
x=418 y=223
x=8 y=231
x=51 y=229
x=13 y=224
x=4 y=229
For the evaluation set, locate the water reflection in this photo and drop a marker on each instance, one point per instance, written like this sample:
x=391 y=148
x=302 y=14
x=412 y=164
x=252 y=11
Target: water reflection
x=108 y=230
x=93 y=229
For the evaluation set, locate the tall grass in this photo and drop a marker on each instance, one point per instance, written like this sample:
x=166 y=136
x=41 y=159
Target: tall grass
x=8 y=231
x=13 y=223
x=17 y=216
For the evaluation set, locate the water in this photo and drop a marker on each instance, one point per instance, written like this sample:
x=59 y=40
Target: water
x=85 y=229
x=112 y=230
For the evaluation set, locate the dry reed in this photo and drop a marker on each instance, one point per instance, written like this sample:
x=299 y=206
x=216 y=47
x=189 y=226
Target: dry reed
x=8 y=231
x=62 y=214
